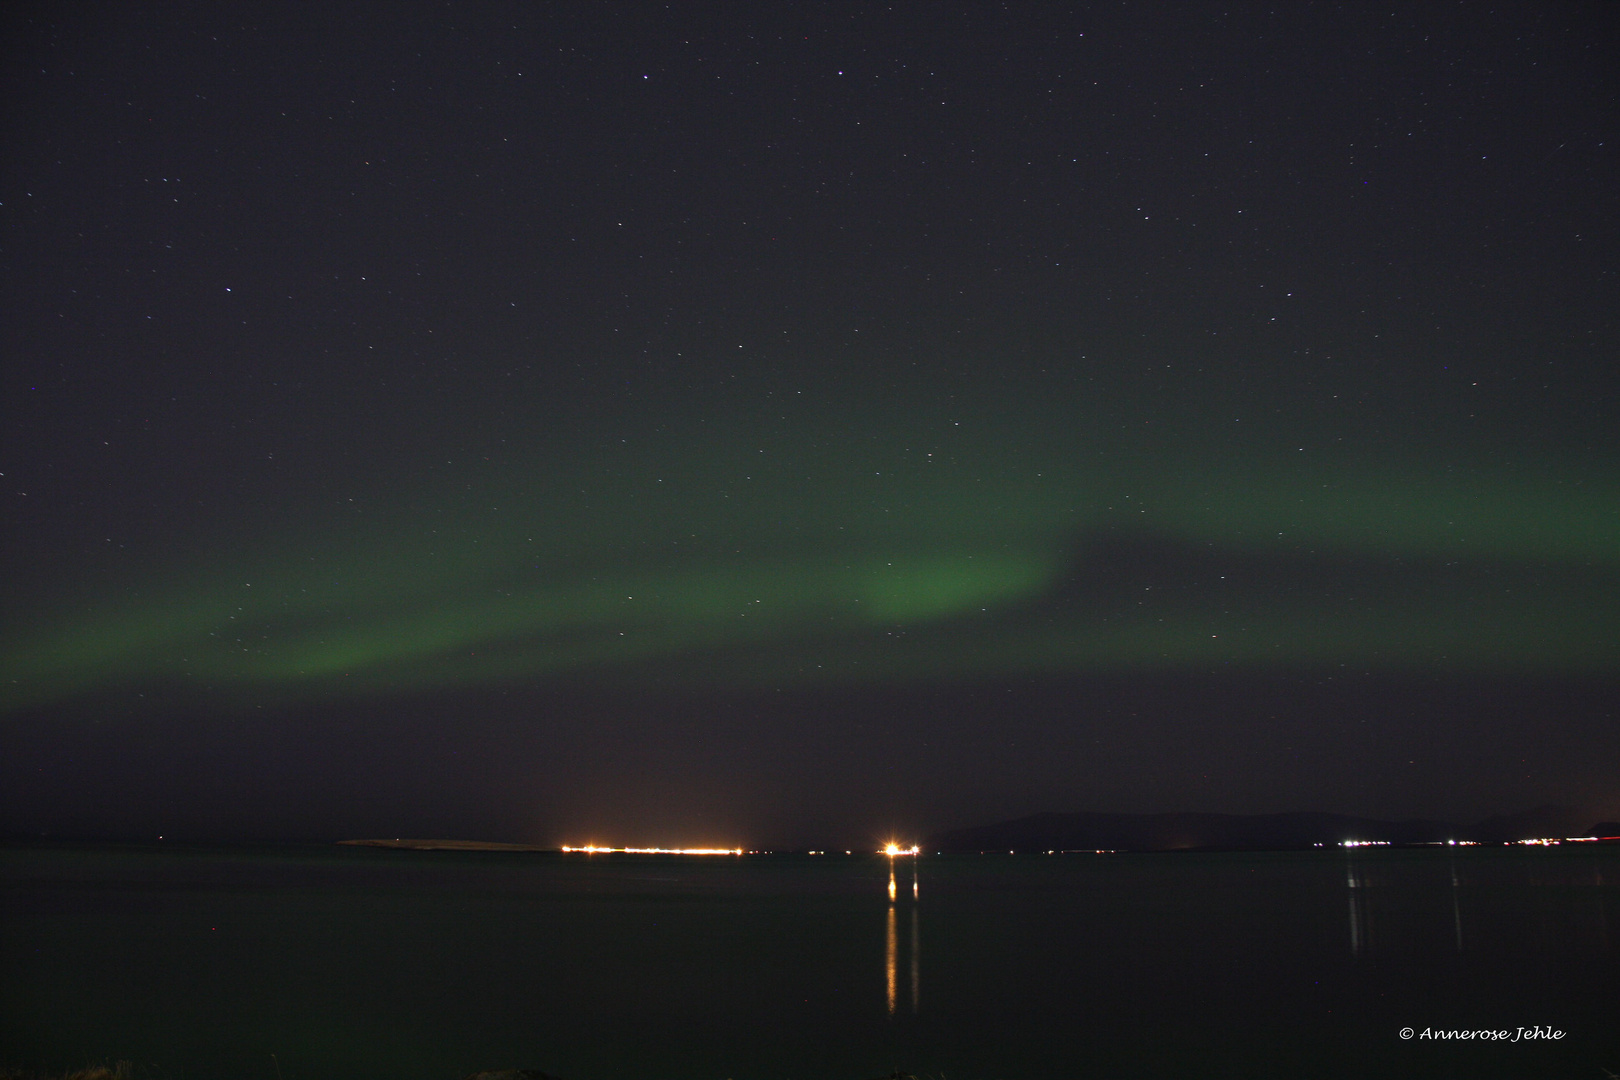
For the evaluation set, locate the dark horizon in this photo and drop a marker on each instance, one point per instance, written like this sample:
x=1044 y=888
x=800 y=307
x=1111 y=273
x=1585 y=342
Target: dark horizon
x=237 y=781
x=1043 y=833
x=775 y=426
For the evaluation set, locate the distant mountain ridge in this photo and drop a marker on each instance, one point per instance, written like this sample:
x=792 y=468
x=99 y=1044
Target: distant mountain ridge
x=1253 y=832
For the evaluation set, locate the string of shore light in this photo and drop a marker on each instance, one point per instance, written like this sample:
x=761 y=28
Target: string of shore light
x=591 y=849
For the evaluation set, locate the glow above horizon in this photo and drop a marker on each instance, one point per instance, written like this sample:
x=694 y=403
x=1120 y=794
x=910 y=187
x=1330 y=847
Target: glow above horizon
x=948 y=547
x=592 y=849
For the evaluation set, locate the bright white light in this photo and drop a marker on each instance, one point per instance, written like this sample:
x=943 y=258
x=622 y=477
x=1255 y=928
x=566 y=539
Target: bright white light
x=891 y=850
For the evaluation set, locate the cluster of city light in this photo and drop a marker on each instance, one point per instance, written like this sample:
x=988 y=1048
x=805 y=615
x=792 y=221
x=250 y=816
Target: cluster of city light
x=1540 y=841
x=592 y=849
x=891 y=850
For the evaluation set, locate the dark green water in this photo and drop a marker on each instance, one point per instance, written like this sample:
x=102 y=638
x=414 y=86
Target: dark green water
x=203 y=963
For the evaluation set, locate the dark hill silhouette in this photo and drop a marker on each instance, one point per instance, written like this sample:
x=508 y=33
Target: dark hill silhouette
x=1541 y=821
x=1257 y=832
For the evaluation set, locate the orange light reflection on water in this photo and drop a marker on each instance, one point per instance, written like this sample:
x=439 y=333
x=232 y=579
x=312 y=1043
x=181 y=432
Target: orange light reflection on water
x=891 y=961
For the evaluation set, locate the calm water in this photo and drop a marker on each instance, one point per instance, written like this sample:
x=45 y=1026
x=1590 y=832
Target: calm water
x=199 y=964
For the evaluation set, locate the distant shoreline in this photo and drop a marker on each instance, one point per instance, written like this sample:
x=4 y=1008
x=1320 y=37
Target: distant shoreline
x=447 y=845
x=1543 y=825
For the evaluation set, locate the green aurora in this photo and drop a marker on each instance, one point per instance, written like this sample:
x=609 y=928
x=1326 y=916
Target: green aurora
x=941 y=547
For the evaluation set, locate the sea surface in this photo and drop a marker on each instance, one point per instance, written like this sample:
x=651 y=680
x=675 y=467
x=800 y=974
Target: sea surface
x=298 y=962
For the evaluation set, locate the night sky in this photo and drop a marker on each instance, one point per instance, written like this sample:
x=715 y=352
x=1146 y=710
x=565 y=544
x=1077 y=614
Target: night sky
x=796 y=423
